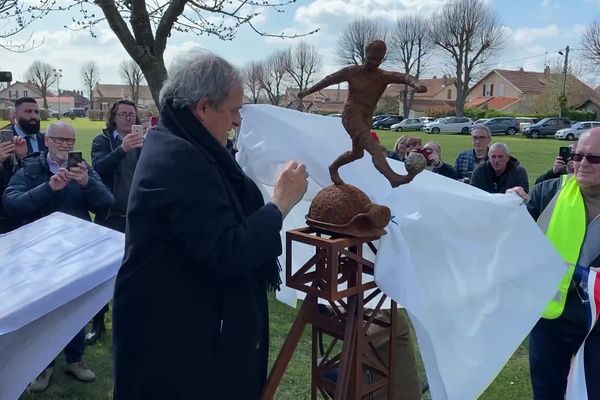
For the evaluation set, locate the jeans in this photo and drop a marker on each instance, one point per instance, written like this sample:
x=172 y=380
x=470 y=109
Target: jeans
x=552 y=344
x=74 y=349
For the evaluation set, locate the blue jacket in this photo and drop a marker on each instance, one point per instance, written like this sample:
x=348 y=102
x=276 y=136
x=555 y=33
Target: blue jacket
x=29 y=197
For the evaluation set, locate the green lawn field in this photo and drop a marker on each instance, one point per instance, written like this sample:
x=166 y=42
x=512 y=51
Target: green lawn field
x=512 y=383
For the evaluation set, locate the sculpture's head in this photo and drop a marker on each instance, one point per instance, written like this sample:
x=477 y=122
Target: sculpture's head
x=374 y=54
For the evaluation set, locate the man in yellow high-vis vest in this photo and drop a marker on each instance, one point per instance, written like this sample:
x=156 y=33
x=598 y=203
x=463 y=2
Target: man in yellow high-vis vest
x=568 y=210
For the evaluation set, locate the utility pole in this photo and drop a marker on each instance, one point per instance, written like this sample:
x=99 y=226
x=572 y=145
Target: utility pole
x=564 y=80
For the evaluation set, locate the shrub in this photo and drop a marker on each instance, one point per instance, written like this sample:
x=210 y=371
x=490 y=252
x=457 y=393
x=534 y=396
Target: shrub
x=96 y=115
x=4 y=112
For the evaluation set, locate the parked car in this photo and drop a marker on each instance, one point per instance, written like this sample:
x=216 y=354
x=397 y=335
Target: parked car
x=409 y=124
x=381 y=116
x=75 y=112
x=52 y=113
x=546 y=127
x=387 y=122
x=506 y=125
x=427 y=120
x=449 y=124
x=576 y=130
x=481 y=121
x=524 y=122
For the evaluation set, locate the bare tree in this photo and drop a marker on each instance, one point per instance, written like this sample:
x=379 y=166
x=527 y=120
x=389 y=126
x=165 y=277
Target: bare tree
x=273 y=73
x=90 y=74
x=410 y=47
x=302 y=63
x=41 y=75
x=356 y=35
x=469 y=33
x=253 y=75
x=133 y=77
x=590 y=41
x=143 y=27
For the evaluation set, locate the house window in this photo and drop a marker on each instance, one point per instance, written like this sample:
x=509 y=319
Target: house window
x=488 y=90
x=9 y=94
x=16 y=94
x=449 y=95
x=501 y=90
x=25 y=93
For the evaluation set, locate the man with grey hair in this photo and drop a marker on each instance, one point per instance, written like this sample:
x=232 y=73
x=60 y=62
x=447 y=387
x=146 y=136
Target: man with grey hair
x=45 y=184
x=435 y=163
x=467 y=160
x=500 y=172
x=201 y=249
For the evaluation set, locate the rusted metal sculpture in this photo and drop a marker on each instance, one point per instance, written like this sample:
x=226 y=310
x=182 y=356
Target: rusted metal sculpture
x=366 y=84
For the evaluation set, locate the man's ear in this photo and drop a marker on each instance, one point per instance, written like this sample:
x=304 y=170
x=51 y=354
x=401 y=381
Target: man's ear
x=201 y=108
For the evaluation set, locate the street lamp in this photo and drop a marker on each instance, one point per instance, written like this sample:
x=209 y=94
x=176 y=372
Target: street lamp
x=57 y=76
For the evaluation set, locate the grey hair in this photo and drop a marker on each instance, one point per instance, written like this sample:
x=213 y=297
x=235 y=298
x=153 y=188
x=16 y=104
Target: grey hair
x=199 y=74
x=58 y=125
x=481 y=127
x=436 y=144
x=500 y=146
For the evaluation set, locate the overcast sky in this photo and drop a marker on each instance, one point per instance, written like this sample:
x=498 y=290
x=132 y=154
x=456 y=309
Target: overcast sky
x=535 y=31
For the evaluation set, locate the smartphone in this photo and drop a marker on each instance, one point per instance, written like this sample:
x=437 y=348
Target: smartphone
x=6 y=135
x=564 y=152
x=137 y=129
x=74 y=159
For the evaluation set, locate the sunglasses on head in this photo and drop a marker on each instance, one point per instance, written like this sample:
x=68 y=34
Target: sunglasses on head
x=591 y=158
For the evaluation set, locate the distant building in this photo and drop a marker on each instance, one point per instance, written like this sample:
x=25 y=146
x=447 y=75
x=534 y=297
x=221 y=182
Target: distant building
x=440 y=97
x=20 y=89
x=79 y=100
x=60 y=103
x=524 y=92
x=106 y=94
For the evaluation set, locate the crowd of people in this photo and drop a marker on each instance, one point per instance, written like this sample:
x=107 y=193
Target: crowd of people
x=201 y=245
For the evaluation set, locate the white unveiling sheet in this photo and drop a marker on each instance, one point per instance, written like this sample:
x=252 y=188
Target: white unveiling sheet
x=55 y=274
x=472 y=269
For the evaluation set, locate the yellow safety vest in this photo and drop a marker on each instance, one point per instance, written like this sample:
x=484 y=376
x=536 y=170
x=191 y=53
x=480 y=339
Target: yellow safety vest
x=566 y=230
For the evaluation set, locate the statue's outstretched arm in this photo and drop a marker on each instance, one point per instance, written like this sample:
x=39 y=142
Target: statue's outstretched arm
x=332 y=79
x=398 y=77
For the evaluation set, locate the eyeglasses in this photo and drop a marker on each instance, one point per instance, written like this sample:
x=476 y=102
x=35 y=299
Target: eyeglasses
x=479 y=137
x=61 y=140
x=126 y=115
x=591 y=158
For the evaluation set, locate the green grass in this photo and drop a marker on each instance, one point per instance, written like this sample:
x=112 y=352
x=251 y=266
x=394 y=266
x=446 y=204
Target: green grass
x=512 y=382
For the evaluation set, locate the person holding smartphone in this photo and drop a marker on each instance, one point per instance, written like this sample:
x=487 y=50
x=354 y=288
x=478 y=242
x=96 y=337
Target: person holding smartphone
x=115 y=153
x=12 y=150
x=563 y=164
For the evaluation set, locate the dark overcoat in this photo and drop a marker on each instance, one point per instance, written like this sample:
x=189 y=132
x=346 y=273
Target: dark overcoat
x=190 y=318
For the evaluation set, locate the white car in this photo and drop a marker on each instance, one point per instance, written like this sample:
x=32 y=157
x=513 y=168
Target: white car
x=575 y=130
x=449 y=124
x=525 y=122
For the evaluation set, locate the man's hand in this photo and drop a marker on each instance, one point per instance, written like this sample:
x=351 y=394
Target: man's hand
x=59 y=180
x=434 y=159
x=6 y=149
x=290 y=187
x=519 y=191
x=79 y=174
x=131 y=142
x=20 y=147
x=559 y=164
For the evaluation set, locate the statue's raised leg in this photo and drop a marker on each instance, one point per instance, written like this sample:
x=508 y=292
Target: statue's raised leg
x=381 y=164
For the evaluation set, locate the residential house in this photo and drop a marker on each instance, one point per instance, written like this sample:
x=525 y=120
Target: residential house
x=105 y=95
x=20 y=89
x=79 y=100
x=526 y=92
x=60 y=103
x=440 y=97
x=325 y=101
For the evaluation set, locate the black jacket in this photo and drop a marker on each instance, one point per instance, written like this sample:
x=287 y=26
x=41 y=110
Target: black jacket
x=550 y=174
x=29 y=197
x=7 y=169
x=484 y=177
x=200 y=252
x=446 y=170
x=107 y=155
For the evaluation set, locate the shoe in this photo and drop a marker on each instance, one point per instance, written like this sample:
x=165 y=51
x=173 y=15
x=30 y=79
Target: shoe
x=42 y=382
x=95 y=334
x=80 y=372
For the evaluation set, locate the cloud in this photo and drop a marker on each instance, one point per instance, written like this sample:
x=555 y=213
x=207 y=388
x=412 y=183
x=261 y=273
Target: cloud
x=523 y=36
x=550 y=4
